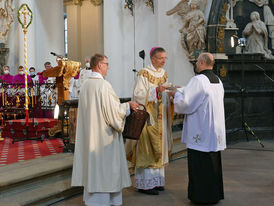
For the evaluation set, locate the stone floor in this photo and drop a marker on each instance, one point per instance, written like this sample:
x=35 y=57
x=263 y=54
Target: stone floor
x=248 y=172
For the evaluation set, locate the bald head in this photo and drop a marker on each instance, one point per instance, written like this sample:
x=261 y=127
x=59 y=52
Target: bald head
x=205 y=62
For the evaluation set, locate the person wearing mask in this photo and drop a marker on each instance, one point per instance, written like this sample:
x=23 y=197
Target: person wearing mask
x=32 y=74
x=20 y=78
x=6 y=78
x=77 y=81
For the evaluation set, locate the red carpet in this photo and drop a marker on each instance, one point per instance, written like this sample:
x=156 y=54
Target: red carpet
x=38 y=128
x=30 y=149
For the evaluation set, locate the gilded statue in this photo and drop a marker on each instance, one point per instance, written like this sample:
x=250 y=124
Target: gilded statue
x=6 y=19
x=193 y=30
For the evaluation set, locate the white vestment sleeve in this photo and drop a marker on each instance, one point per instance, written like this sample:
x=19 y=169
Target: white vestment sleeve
x=143 y=92
x=114 y=112
x=190 y=99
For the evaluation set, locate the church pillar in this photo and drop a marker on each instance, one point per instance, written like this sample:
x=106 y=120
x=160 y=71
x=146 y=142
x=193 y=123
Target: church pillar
x=84 y=29
x=45 y=34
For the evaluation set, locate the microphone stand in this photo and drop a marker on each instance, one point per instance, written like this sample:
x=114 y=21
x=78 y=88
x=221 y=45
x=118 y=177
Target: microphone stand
x=245 y=126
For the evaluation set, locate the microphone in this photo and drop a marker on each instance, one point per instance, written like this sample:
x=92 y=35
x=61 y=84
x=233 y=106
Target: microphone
x=57 y=55
x=142 y=54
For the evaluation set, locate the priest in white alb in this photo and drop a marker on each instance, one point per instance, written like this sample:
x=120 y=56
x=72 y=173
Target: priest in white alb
x=202 y=102
x=99 y=160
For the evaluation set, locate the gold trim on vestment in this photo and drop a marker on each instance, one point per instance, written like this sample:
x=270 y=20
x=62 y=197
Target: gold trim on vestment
x=152 y=79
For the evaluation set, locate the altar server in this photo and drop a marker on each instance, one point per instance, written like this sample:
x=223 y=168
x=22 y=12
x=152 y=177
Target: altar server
x=202 y=102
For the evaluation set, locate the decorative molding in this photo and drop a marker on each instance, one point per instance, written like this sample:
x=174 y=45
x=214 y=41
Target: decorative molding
x=79 y=2
x=129 y=4
x=96 y=2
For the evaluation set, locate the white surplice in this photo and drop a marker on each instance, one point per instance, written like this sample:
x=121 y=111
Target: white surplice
x=204 y=123
x=99 y=160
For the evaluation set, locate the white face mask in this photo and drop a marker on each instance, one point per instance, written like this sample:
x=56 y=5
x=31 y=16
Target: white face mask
x=87 y=65
x=21 y=72
x=6 y=72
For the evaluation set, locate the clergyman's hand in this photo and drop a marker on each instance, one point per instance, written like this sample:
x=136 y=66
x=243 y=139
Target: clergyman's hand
x=161 y=88
x=133 y=105
x=173 y=91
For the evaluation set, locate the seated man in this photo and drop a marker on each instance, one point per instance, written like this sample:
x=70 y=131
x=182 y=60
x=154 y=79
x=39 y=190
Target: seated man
x=46 y=93
x=43 y=80
x=6 y=77
x=20 y=78
x=33 y=75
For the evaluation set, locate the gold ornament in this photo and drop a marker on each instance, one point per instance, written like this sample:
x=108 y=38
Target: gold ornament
x=223 y=71
x=96 y=2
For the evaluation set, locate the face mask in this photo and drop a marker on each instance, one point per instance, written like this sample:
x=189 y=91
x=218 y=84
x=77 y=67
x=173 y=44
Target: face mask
x=32 y=73
x=6 y=72
x=87 y=65
x=21 y=72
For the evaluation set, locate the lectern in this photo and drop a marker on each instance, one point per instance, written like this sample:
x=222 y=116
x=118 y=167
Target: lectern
x=63 y=72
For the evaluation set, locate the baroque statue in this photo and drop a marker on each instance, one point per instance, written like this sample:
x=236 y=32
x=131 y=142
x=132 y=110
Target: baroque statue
x=268 y=17
x=257 y=36
x=6 y=19
x=193 y=29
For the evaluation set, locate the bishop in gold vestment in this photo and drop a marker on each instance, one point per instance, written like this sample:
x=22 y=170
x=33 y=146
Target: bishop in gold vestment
x=150 y=154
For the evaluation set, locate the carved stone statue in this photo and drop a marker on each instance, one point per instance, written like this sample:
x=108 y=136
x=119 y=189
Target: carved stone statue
x=257 y=36
x=193 y=29
x=229 y=14
x=181 y=8
x=6 y=18
x=268 y=17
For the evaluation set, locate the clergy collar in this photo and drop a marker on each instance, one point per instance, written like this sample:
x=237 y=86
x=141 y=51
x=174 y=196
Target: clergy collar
x=210 y=75
x=205 y=71
x=154 y=69
x=96 y=74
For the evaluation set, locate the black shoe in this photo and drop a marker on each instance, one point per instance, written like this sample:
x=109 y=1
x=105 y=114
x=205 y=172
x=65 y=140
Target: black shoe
x=159 y=188
x=149 y=192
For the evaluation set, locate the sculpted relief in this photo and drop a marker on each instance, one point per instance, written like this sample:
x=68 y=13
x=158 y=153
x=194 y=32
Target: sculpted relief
x=193 y=26
x=6 y=19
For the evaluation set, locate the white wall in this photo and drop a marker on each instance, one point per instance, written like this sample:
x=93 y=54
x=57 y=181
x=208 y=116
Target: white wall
x=45 y=35
x=150 y=30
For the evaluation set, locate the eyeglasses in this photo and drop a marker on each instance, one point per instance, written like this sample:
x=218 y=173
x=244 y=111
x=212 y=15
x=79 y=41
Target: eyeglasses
x=161 y=58
x=104 y=63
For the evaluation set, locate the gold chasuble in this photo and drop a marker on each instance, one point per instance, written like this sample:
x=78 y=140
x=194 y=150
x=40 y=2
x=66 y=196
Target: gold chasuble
x=155 y=143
